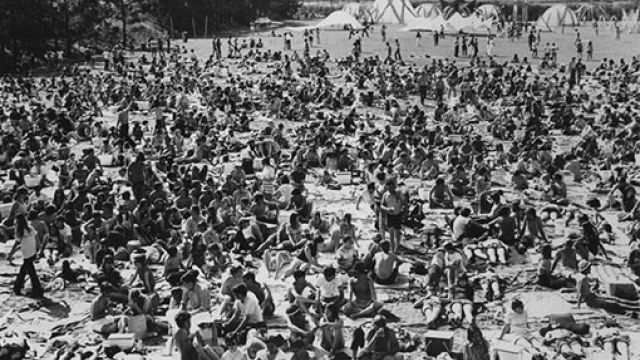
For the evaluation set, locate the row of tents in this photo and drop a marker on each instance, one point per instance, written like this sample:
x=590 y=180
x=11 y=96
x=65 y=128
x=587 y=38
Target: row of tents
x=402 y=12
x=430 y=17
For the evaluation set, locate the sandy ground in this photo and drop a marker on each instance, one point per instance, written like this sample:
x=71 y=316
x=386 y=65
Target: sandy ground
x=44 y=319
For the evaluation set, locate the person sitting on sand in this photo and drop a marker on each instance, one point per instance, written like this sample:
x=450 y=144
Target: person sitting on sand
x=532 y=229
x=381 y=342
x=262 y=293
x=184 y=340
x=441 y=196
x=301 y=293
x=194 y=297
x=347 y=255
x=362 y=295
x=517 y=328
x=385 y=265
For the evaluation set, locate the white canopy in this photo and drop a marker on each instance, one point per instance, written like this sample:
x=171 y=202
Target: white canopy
x=340 y=20
x=393 y=11
x=361 y=11
x=556 y=16
x=488 y=11
x=428 y=11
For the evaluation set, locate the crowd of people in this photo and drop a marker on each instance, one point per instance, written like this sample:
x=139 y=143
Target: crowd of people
x=183 y=181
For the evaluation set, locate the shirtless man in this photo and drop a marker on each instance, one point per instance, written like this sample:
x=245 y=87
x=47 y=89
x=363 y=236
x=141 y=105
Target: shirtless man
x=385 y=265
x=362 y=295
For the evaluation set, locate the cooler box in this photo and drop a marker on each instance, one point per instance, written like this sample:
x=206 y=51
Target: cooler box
x=413 y=183
x=31 y=181
x=5 y=209
x=343 y=177
x=437 y=342
x=623 y=289
x=106 y=159
x=122 y=341
x=508 y=351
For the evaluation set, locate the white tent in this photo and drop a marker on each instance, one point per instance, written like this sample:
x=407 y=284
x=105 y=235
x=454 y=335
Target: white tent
x=488 y=11
x=630 y=21
x=360 y=11
x=590 y=12
x=428 y=11
x=393 y=11
x=556 y=16
x=457 y=21
x=339 y=20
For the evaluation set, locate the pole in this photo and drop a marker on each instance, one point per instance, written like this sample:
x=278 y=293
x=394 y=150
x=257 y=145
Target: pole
x=206 y=23
x=193 y=25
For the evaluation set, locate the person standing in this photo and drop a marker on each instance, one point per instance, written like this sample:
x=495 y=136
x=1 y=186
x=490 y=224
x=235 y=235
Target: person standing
x=418 y=39
x=136 y=173
x=463 y=46
x=579 y=48
x=26 y=236
x=123 y=127
x=423 y=83
x=595 y=26
x=490 y=46
x=474 y=47
x=456 y=46
x=590 y=50
x=318 y=36
x=219 y=48
x=392 y=206
x=436 y=38
x=383 y=33
x=397 y=55
x=389 y=58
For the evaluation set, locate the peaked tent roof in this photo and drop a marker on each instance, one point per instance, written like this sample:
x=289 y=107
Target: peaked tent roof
x=428 y=11
x=488 y=11
x=394 y=11
x=556 y=16
x=361 y=11
x=339 y=19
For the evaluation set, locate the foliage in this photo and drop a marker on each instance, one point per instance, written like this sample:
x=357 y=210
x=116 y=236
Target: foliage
x=31 y=28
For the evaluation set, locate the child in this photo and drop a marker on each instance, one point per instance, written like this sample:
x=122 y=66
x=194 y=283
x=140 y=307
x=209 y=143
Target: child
x=217 y=261
x=175 y=303
x=233 y=352
x=184 y=341
x=329 y=290
x=172 y=264
x=347 y=255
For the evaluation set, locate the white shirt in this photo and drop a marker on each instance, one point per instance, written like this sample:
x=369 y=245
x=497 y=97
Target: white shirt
x=250 y=308
x=28 y=244
x=286 y=190
x=328 y=289
x=459 y=224
x=263 y=355
x=235 y=355
x=268 y=173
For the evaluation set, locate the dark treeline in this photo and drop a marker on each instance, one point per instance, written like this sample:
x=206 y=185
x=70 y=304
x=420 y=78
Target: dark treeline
x=32 y=30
